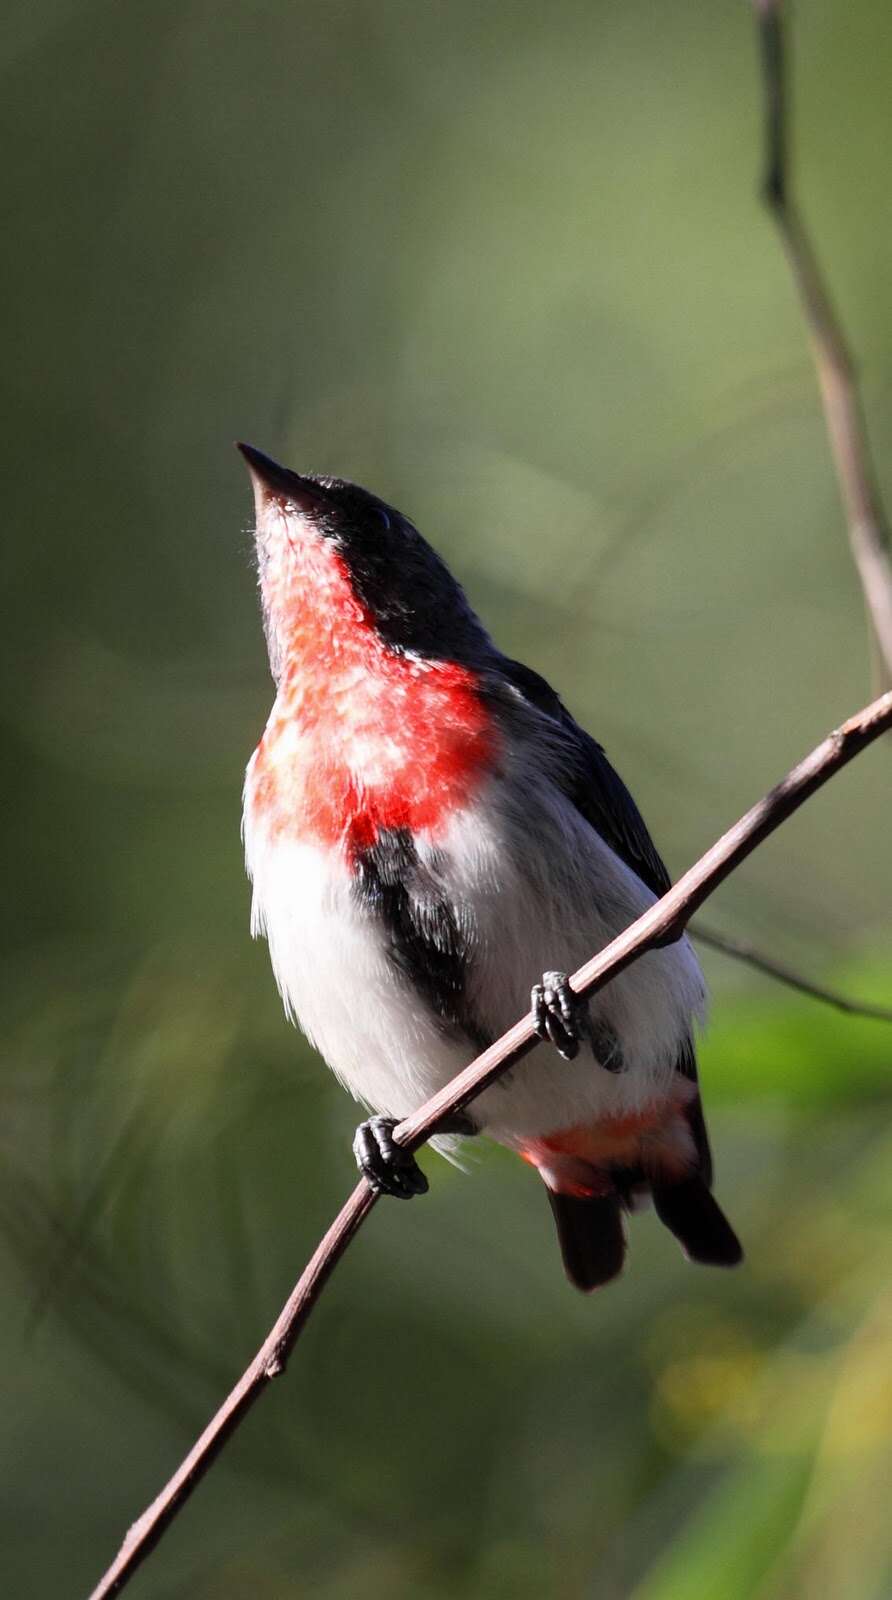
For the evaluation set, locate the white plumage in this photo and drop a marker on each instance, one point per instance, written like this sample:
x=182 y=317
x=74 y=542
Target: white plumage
x=534 y=888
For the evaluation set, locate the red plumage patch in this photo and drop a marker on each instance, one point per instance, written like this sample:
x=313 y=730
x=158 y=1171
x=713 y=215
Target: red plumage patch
x=360 y=739
x=655 y=1139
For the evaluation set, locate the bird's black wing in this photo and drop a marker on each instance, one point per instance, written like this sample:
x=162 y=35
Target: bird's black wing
x=597 y=792
x=424 y=938
x=600 y=796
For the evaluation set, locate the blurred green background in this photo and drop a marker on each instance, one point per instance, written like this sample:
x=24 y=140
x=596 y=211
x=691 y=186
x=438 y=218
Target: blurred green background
x=504 y=265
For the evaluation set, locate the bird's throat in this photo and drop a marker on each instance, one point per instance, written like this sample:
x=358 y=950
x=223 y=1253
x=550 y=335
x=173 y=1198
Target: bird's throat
x=361 y=738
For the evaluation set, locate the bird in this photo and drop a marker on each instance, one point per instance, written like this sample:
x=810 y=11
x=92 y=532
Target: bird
x=434 y=843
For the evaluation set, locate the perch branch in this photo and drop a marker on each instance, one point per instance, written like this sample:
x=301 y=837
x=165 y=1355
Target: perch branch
x=661 y=924
x=868 y=527
x=740 y=950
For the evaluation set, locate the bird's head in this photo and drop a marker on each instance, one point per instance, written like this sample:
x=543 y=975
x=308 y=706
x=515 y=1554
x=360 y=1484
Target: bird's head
x=335 y=558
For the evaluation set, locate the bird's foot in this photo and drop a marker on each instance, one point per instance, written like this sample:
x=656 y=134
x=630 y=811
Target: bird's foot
x=559 y=1016
x=385 y=1165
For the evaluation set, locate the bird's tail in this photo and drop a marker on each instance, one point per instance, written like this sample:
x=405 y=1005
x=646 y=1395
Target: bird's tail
x=591 y=1236
x=594 y=1174
x=689 y=1211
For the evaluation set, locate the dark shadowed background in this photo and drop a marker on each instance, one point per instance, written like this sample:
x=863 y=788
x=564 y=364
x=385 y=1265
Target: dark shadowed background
x=504 y=265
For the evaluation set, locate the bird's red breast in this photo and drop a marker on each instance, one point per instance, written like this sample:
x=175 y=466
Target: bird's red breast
x=361 y=738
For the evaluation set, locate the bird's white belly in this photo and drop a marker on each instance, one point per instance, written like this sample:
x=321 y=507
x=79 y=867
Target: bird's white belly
x=337 y=980
x=535 y=889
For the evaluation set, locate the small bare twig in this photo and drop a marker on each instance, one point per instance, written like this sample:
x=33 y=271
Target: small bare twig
x=662 y=924
x=739 y=950
x=868 y=526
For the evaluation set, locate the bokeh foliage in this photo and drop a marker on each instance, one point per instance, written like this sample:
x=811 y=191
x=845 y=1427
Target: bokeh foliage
x=505 y=265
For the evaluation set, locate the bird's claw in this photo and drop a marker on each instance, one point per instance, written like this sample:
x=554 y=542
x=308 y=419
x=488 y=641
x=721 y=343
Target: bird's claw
x=385 y=1165
x=559 y=1016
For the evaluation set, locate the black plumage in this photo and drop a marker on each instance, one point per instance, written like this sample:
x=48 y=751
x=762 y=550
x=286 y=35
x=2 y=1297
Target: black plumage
x=591 y=1236
x=425 y=940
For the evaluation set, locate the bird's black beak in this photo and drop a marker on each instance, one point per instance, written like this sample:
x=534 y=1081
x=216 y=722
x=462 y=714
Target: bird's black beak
x=271 y=479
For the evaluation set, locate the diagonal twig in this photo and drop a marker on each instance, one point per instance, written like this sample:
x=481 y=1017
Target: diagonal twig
x=868 y=525
x=661 y=924
x=741 y=950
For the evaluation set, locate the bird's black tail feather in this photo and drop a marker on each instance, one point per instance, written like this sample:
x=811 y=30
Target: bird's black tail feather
x=591 y=1236
x=689 y=1211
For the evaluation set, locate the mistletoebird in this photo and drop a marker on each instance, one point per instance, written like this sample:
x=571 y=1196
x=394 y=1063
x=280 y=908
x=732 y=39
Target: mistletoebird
x=433 y=839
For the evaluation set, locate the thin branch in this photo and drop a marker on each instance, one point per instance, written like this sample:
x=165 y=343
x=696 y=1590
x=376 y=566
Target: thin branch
x=662 y=924
x=739 y=950
x=868 y=526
